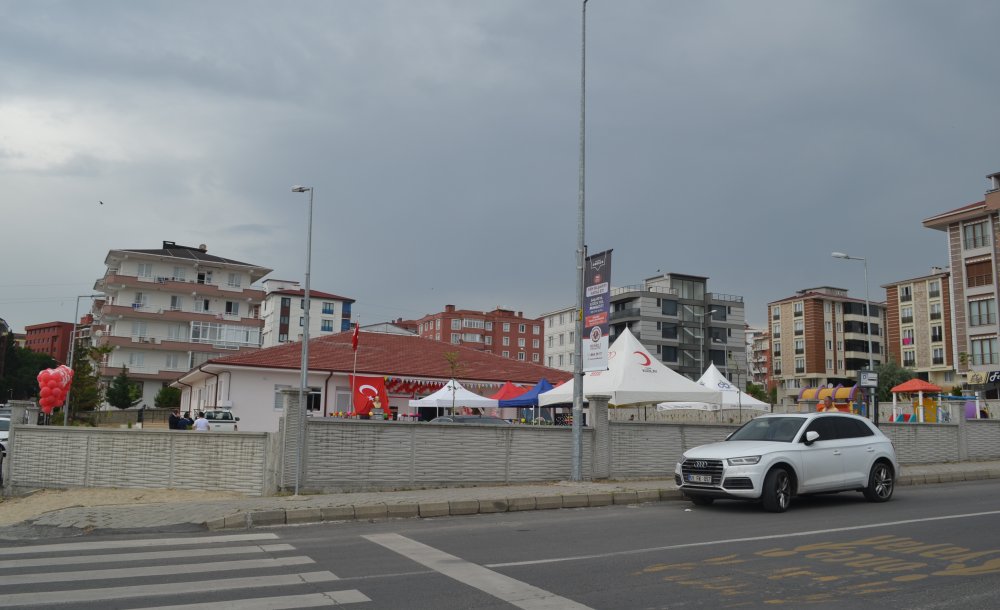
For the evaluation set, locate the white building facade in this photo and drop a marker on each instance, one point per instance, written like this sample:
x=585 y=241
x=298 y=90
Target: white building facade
x=283 y=313
x=558 y=340
x=171 y=309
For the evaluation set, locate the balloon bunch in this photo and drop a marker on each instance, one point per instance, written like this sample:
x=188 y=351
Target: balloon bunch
x=53 y=384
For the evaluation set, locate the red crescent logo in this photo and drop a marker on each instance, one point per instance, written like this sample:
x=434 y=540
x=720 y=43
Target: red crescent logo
x=644 y=357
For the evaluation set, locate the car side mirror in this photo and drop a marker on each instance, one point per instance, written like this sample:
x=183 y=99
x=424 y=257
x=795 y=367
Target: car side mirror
x=237 y=419
x=811 y=437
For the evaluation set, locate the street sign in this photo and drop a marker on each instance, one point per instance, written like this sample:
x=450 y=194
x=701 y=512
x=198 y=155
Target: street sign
x=868 y=379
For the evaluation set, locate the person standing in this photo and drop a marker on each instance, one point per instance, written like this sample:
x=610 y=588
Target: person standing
x=201 y=424
x=174 y=421
x=185 y=422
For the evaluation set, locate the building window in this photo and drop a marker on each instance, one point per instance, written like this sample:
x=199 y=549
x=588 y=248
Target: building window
x=176 y=303
x=551 y=340
x=173 y=362
x=505 y=354
x=982 y=312
x=520 y=328
x=520 y=342
x=326 y=326
x=909 y=358
x=235 y=280
x=829 y=363
x=800 y=346
x=136 y=360
x=179 y=274
x=560 y=359
x=562 y=339
x=489 y=340
x=975 y=235
x=549 y=360
x=233 y=308
x=489 y=326
x=905 y=293
x=534 y=329
x=935 y=311
x=934 y=289
x=906 y=314
x=534 y=343
x=456 y=324
x=984 y=351
x=797 y=308
x=937 y=334
x=145 y=270
x=979 y=274
x=520 y=356
x=473 y=323
x=455 y=337
x=907 y=336
x=506 y=327
x=775 y=312
x=669 y=308
x=798 y=327
x=535 y=358
x=302 y=321
x=937 y=356
x=800 y=365
x=327 y=308
x=505 y=340
x=571 y=359
x=776 y=331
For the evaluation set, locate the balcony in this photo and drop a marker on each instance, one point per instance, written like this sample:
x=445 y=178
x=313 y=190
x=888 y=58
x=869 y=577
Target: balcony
x=933 y=294
x=906 y=320
x=631 y=312
x=800 y=350
x=798 y=332
x=904 y=298
x=937 y=360
x=935 y=315
x=113 y=282
x=136 y=310
x=909 y=363
x=800 y=370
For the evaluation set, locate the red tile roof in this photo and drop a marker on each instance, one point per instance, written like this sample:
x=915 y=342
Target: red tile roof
x=396 y=355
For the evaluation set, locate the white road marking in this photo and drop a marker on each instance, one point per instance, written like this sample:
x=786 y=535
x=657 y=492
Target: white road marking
x=311 y=600
x=127 y=544
x=112 y=593
x=688 y=545
x=149 y=555
x=187 y=568
x=502 y=587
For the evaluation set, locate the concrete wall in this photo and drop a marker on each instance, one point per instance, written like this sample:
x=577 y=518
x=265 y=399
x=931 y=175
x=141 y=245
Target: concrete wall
x=652 y=450
x=357 y=455
x=55 y=457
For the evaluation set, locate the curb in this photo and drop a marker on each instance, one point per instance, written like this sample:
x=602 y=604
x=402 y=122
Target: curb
x=376 y=512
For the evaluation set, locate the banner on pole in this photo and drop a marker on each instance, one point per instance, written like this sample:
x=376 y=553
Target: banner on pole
x=596 y=311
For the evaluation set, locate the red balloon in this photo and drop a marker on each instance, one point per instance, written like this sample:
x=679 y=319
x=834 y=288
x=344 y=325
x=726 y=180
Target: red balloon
x=45 y=391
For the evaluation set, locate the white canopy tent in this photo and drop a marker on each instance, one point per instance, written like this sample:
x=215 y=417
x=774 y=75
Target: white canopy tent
x=453 y=394
x=732 y=397
x=633 y=377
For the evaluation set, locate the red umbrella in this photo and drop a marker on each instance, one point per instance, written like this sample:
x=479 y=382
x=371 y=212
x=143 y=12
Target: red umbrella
x=508 y=391
x=916 y=385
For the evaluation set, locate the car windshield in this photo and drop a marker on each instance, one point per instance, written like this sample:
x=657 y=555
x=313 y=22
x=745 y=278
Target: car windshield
x=781 y=429
x=4 y=425
x=219 y=415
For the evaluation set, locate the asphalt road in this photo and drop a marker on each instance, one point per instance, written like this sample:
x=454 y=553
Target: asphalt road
x=933 y=546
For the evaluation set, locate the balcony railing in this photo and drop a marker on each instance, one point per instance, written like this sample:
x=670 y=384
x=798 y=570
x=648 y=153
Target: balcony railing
x=906 y=320
x=903 y=298
x=631 y=312
x=800 y=350
x=800 y=369
x=982 y=319
x=937 y=360
x=643 y=288
x=935 y=315
x=798 y=332
x=909 y=363
x=933 y=294
x=985 y=359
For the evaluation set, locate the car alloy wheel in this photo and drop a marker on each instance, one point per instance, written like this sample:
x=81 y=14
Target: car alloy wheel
x=880 y=483
x=777 y=494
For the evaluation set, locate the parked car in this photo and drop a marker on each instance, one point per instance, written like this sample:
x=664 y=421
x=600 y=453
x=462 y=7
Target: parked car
x=470 y=419
x=221 y=420
x=774 y=457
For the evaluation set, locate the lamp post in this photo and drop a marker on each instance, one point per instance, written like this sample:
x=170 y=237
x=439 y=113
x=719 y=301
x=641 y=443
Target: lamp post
x=577 y=453
x=868 y=313
x=72 y=346
x=701 y=316
x=304 y=365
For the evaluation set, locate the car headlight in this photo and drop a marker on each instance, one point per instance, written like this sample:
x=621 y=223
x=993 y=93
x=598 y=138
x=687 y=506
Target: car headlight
x=744 y=461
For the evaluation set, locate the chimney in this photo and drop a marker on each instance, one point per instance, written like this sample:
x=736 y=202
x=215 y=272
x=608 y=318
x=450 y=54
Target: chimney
x=520 y=314
x=168 y=244
x=203 y=247
x=993 y=195
x=936 y=270
x=449 y=308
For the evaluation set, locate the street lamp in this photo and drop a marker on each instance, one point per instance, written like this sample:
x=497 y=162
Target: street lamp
x=868 y=313
x=304 y=365
x=576 y=470
x=72 y=345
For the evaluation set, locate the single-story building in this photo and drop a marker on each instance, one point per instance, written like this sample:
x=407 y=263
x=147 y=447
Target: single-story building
x=395 y=367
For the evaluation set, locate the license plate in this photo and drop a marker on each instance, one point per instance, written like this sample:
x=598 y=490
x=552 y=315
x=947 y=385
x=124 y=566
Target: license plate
x=700 y=478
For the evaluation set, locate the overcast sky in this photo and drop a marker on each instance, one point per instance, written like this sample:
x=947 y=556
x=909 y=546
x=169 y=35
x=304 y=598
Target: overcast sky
x=743 y=141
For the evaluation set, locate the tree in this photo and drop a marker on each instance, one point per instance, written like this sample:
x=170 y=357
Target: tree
x=167 y=398
x=890 y=375
x=757 y=391
x=21 y=368
x=122 y=393
x=85 y=394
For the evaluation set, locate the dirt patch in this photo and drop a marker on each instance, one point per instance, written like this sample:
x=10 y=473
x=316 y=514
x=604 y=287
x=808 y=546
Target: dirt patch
x=18 y=509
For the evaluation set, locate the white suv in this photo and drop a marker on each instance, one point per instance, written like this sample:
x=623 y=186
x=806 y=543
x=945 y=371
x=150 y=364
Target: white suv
x=4 y=432
x=774 y=457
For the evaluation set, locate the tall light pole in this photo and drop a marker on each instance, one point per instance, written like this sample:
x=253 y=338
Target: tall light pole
x=304 y=365
x=868 y=312
x=72 y=346
x=577 y=454
x=701 y=316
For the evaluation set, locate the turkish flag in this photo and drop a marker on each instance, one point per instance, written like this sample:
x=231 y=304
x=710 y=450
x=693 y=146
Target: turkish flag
x=366 y=390
x=354 y=338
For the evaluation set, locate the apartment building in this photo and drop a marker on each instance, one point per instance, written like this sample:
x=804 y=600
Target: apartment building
x=820 y=337
x=918 y=331
x=171 y=309
x=49 y=338
x=675 y=316
x=283 y=312
x=502 y=331
x=760 y=358
x=559 y=340
x=973 y=249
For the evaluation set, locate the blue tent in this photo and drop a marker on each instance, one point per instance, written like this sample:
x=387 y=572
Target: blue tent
x=529 y=398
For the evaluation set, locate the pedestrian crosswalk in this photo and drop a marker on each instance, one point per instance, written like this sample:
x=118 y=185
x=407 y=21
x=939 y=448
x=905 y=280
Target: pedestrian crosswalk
x=245 y=571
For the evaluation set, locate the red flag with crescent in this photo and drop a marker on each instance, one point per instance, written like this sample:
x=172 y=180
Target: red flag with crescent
x=369 y=392
x=354 y=338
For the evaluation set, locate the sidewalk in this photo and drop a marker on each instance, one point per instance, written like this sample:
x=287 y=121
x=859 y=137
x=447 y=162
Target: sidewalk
x=248 y=512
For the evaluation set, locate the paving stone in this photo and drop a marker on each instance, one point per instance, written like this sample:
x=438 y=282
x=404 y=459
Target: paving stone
x=548 y=502
x=267 y=517
x=371 y=511
x=337 y=513
x=403 y=511
x=647 y=495
x=601 y=499
x=493 y=506
x=463 y=507
x=216 y=524
x=514 y=504
x=434 y=509
x=575 y=500
x=303 y=515
x=624 y=497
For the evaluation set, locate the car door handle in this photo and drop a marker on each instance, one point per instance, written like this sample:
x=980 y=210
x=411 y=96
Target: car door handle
x=870 y=450
x=836 y=452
